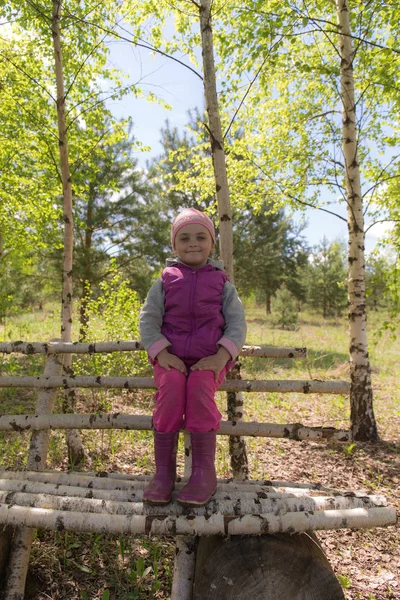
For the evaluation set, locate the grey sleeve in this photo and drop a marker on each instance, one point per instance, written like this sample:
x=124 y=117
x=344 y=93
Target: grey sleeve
x=235 y=319
x=151 y=319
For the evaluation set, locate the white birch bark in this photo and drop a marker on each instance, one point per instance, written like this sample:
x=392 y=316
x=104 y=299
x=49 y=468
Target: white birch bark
x=216 y=138
x=74 y=443
x=227 y=505
x=15 y=481
x=184 y=567
x=363 y=422
x=130 y=346
x=216 y=524
x=130 y=489
x=237 y=445
x=23 y=537
x=292 y=431
x=313 y=386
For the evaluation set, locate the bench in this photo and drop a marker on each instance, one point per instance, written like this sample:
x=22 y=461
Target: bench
x=83 y=502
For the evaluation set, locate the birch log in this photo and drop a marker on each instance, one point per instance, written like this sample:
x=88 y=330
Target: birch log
x=313 y=386
x=363 y=422
x=74 y=443
x=184 y=566
x=239 y=505
x=216 y=524
x=131 y=346
x=292 y=431
x=39 y=482
x=23 y=537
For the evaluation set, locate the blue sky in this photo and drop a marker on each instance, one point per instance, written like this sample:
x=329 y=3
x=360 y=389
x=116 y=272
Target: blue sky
x=181 y=89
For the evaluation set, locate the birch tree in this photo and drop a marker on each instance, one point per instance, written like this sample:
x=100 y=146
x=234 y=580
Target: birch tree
x=79 y=82
x=75 y=447
x=362 y=413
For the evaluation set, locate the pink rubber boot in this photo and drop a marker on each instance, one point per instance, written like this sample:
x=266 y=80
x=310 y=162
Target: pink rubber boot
x=203 y=481
x=160 y=488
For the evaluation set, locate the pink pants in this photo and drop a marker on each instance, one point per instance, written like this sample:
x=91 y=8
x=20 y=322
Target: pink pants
x=186 y=401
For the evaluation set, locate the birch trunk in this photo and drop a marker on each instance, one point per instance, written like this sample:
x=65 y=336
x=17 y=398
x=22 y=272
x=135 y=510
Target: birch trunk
x=74 y=443
x=5 y=536
x=363 y=422
x=237 y=444
x=184 y=565
x=37 y=457
x=222 y=192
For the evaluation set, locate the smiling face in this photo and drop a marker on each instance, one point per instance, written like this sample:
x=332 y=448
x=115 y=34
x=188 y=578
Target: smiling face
x=193 y=245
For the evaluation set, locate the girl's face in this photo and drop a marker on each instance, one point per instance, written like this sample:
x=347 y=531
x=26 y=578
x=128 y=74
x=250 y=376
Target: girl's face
x=193 y=245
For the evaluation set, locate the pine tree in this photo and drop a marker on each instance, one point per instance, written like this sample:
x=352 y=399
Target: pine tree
x=327 y=292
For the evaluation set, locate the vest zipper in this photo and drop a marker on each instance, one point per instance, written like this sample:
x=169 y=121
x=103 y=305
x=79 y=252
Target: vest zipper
x=191 y=308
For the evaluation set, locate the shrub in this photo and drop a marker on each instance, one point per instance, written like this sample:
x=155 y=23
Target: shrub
x=113 y=316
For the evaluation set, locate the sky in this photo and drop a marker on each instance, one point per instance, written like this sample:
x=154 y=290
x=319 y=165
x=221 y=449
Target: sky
x=180 y=88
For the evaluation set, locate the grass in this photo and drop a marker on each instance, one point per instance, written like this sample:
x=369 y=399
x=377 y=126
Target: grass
x=89 y=567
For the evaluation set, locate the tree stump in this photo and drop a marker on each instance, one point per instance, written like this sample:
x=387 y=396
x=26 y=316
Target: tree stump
x=269 y=567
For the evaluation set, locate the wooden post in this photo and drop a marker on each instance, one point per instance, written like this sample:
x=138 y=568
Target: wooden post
x=184 y=565
x=23 y=536
x=237 y=450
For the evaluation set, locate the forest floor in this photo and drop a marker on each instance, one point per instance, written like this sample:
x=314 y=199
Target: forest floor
x=90 y=567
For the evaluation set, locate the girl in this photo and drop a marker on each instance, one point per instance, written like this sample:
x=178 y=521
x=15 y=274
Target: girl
x=192 y=326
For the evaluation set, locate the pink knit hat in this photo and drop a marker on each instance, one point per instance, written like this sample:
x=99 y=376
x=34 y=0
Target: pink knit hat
x=188 y=216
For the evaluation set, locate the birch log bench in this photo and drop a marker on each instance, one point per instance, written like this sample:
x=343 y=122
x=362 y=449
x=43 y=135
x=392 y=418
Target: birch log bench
x=272 y=523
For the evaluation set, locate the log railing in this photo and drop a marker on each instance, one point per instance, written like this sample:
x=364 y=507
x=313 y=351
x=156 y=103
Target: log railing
x=130 y=346
x=292 y=431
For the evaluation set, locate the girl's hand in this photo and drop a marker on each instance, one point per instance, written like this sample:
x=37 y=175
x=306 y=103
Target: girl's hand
x=170 y=361
x=215 y=362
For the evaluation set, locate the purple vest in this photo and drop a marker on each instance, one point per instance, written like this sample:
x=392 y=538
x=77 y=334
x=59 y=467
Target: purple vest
x=193 y=319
